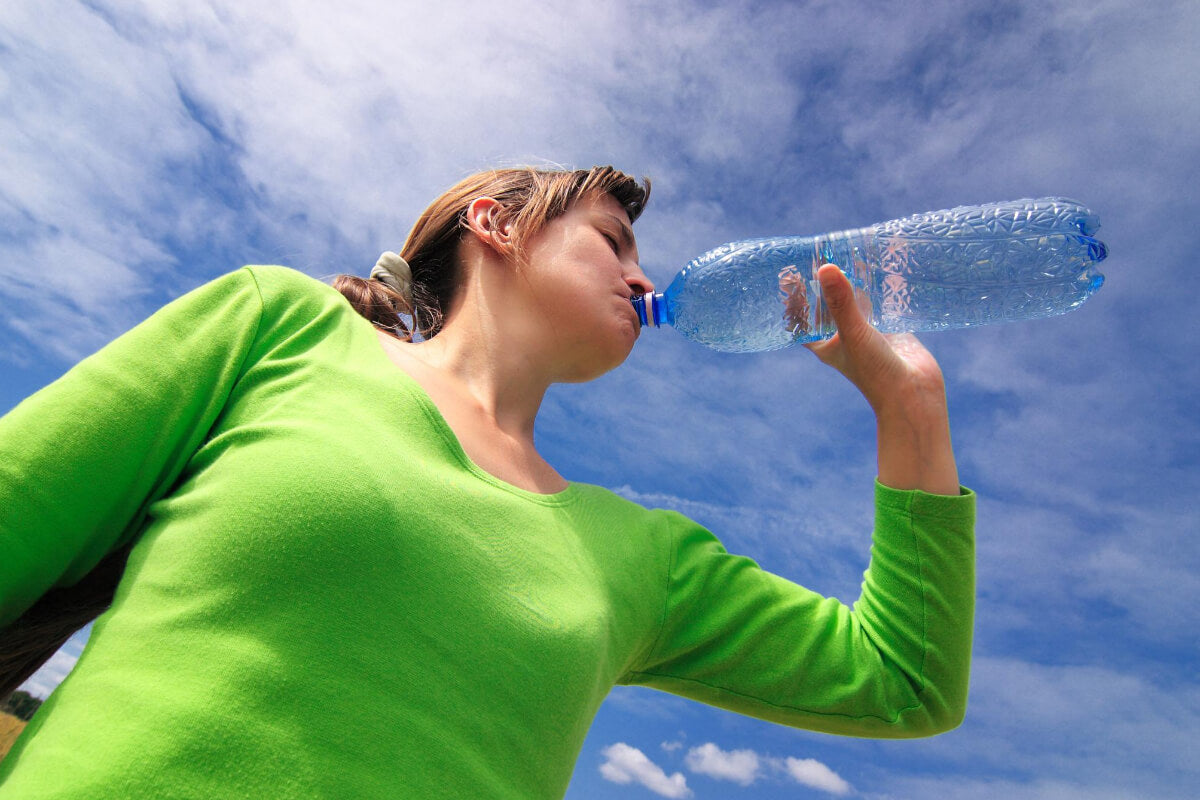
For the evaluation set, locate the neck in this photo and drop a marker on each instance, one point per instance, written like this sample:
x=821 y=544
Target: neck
x=487 y=404
x=490 y=353
x=486 y=370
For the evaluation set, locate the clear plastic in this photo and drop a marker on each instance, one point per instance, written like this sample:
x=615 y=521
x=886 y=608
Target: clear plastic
x=966 y=266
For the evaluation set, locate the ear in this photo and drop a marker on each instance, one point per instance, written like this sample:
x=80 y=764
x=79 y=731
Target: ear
x=483 y=218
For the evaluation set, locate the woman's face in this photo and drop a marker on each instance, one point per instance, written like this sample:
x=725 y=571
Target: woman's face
x=582 y=269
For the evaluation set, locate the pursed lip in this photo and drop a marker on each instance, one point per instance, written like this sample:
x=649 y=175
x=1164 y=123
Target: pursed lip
x=627 y=300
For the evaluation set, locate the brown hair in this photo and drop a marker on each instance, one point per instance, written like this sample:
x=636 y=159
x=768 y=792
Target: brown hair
x=528 y=197
x=31 y=639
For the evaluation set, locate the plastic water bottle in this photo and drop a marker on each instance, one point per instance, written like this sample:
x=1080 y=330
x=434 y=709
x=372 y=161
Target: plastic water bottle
x=967 y=266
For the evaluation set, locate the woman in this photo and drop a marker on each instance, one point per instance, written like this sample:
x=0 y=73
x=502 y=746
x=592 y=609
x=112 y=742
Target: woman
x=351 y=573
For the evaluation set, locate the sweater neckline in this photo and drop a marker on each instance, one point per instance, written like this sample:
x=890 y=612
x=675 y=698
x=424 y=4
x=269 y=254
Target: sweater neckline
x=417 y=392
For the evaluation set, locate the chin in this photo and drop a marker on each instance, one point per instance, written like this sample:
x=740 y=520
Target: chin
x=601 y=364
x=602 y=348
x=595 y=371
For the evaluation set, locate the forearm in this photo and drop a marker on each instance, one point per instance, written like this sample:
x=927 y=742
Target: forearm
x=913 y=436
x=902 y=382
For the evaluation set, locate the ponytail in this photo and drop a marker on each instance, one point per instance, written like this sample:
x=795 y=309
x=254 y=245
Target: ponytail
x=31 y=639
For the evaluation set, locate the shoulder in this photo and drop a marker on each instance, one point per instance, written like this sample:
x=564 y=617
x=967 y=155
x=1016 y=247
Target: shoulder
x=276 y=282
x=291 y=298
x=272 y=304
x=618 y=504
x=259 y=286
x=638 y=521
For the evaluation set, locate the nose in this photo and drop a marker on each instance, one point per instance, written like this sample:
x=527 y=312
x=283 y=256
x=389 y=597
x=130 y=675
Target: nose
x=638 y=282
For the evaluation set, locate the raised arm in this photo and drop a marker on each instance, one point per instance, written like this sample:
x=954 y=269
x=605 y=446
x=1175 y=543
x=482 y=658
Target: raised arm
x=903 y=384
x=897 y=663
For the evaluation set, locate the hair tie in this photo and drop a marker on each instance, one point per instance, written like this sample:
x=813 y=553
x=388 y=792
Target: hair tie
x=393 y=271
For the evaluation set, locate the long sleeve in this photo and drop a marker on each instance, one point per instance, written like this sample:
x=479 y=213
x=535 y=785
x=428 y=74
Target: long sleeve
x=81 y=459
x=894 y=665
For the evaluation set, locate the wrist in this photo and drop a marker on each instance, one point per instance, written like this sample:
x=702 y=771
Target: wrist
x=915 y=450
x=918 y=406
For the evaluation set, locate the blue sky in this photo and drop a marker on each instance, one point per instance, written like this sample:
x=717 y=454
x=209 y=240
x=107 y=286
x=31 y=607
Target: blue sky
x=146 y=147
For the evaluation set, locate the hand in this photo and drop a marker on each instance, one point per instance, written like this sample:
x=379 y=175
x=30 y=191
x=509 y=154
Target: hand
x=902 y=382
x=887 y=369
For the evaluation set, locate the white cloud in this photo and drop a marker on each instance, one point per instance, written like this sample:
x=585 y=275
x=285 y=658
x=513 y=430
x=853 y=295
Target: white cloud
x=90 y=126
x=625 y=765
x=671 y=747
x=739 y=766
x=324 y=134
x=1091 y=570
x=335 y=130
x=1086 y=721
x=811 y=772
x=1058 y=731
x=745 y=767
x=327 y=109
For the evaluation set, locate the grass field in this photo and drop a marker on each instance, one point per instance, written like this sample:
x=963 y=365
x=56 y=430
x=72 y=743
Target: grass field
x=10 y=728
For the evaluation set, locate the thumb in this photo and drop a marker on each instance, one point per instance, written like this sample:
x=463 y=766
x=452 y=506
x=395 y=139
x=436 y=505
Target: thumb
x=838 y=294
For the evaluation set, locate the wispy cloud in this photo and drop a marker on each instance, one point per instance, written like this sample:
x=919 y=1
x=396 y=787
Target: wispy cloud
x=91 y=208
x=960 y=788
x=1092 y=722
x=625 y=765
x=150 y=146
x=642 y=702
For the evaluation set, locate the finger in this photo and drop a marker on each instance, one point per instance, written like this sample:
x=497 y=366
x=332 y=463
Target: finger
x=838 y=294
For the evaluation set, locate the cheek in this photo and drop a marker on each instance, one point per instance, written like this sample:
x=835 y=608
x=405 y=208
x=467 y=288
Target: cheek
x=573 y=296
x=599 y=341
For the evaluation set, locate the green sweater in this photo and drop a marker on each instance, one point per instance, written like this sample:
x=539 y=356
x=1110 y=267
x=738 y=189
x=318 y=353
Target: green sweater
x=328 y=599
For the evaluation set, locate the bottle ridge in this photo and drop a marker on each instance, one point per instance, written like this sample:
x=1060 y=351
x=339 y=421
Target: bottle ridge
x=958 y=268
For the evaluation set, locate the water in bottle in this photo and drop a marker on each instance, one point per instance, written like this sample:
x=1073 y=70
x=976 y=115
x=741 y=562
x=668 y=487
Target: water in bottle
x=966 y=266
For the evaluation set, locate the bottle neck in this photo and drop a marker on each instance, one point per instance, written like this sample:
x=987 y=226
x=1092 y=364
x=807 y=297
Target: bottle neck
x=651 y=309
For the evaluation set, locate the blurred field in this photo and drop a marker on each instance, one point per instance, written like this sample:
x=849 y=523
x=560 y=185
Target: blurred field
x=10 y=728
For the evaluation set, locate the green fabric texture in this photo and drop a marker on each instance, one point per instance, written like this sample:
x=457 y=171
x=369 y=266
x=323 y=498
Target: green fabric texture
x=328 y=599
